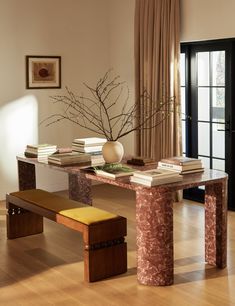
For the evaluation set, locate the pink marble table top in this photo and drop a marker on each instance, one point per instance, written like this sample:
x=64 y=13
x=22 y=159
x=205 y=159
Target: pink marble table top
x=209 y=176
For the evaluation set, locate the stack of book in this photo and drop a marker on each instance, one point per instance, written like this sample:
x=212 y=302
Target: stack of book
x=182 y=165
x=66 y=159
x=92 y=146
x=140 y=161
x=40 y=151
x=155 y=177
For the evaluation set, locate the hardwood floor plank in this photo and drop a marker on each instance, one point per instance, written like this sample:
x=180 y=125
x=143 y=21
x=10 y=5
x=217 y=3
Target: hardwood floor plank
x=47 y=269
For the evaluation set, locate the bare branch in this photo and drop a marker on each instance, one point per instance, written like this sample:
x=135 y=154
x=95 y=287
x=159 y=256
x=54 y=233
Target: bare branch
x=97 y=111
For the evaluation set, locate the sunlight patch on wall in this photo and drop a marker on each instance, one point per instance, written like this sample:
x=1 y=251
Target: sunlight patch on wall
x=19 y=127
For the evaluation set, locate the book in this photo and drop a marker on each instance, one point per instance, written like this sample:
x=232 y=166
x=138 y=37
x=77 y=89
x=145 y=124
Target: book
x=113 y=175
x=39 y=150
x=97 y=160
x=153 y=174
x=192 y=171
x=63 y=150
x=180 y=160
x=41 y=147
x=89 y=145
x=69 y=158
x=90 y=141
x=112 y=171
x=156 y=181
x=187 y=166
x=89 y=149
x=140 y=161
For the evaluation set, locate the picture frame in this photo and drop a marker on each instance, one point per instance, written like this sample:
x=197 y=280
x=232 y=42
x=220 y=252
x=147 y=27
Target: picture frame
x=43 y=72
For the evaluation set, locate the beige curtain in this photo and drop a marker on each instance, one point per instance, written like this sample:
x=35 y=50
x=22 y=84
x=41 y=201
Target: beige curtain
x=157 y=50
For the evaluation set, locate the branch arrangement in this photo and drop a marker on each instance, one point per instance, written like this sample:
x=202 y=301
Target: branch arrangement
x=97 y=111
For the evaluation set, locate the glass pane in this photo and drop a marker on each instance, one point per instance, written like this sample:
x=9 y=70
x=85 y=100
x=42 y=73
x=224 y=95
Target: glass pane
x=218 y=68
x=183 y=136
x=218 y=164
x=218 y=140
x=203 y=138
x=204 y=104
x=182 y=102
x=205 y=161
x=182 y=69
x=218 y=102
x=203 y=68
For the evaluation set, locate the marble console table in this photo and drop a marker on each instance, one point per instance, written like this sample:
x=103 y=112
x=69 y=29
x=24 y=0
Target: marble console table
x=154 y=215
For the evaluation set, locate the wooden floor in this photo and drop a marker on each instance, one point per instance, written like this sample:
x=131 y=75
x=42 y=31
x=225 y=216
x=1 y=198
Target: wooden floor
x=47 y=269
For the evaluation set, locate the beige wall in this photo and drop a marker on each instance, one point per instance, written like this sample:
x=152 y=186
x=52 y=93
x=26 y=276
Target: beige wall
x=91 y=36
x=75 y=29
x=207 y=19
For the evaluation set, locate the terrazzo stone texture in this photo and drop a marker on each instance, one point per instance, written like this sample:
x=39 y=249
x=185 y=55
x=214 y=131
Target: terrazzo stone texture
x=80 y=188
x=26 y=175
x=216 y=224
x=154 y=215
x=154 y=218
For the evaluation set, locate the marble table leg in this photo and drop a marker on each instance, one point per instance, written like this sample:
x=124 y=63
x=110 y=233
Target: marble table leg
x=80 y=188
x=154 y=218
x=216 y=224
x=22 y=223
x=26 y=175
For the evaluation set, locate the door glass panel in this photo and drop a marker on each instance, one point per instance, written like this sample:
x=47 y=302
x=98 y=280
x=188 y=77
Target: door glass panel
x=205 y=161
x=208 y=103
x=203 y=68
x=203 y=104
x=183 y=136
x=218 y=103
x=183 y=103
x=218 y=164
x=183 y=94
x=182 y=69
x=203 y=138
x=218 y=68
x=218 y=140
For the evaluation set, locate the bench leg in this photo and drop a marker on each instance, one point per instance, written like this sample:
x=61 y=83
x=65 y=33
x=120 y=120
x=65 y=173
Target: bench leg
x=101 y=262
x=21 y=223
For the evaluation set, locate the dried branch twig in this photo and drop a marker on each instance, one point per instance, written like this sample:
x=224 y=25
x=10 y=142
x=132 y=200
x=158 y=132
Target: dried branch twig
x=97 y=112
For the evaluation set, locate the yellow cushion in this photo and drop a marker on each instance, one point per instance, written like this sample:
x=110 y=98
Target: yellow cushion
x=66 y=207
x=87 y=215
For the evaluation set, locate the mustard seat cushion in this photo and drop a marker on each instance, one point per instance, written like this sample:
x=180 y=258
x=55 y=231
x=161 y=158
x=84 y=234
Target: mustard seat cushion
x=66 y=207
x=87 y=215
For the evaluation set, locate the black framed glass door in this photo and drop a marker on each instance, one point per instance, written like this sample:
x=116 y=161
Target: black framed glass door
x=207 y=74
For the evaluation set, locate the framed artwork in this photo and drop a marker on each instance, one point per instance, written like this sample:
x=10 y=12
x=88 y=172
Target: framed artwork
x=43 y=72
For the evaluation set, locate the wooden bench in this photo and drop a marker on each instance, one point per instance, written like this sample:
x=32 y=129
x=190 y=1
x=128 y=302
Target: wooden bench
x=105 y=250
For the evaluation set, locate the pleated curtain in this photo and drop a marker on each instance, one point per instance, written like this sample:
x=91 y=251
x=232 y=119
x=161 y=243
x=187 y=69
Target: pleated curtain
x=157 y=52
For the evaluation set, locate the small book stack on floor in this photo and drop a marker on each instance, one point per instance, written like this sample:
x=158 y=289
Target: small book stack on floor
x=71 y=158
x=92 y=146
x=40 y=151
x=155 y=177
x=182 y=165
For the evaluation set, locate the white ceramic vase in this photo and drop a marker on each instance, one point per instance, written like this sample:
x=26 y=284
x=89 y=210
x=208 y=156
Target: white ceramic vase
x=112 y=152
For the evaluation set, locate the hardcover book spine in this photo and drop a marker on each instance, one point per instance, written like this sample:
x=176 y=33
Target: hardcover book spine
x=170 y=166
